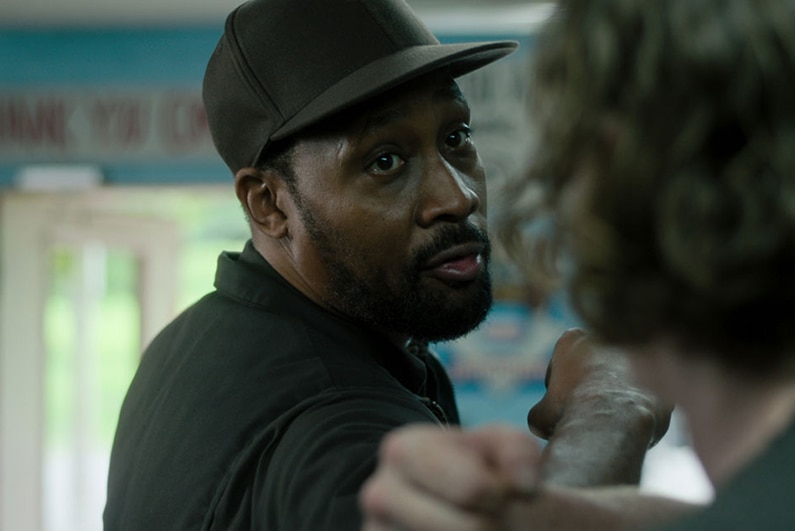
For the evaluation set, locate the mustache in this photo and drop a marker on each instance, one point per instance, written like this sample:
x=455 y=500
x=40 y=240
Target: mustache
x=447 y=237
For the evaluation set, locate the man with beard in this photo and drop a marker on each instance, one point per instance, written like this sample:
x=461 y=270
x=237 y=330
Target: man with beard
x=262 y=405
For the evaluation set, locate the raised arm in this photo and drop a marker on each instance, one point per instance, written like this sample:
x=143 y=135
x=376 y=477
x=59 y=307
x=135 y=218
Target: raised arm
x=598 y=422
x=498 y=478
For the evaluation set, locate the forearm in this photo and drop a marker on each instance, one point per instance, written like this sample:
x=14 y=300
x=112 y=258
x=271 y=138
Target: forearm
x=601 y=440
x=452 y=480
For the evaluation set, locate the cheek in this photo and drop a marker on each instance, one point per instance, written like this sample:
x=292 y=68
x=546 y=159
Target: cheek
x=370 y=238
x=381 y=240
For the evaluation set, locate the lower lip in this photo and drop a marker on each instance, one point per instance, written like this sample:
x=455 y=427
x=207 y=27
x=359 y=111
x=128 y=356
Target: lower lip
x=463 y=270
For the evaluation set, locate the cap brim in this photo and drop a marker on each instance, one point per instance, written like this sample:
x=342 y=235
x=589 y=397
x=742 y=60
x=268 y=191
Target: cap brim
x=382 y=75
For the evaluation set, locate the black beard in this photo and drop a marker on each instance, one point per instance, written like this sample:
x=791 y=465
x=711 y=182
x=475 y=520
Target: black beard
x=407 y=309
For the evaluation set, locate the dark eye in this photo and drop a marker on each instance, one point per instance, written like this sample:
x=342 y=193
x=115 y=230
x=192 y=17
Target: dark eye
x=386 y=164
x=459 y=138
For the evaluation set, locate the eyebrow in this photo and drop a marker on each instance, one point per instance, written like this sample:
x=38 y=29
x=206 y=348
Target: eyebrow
x=448 y=93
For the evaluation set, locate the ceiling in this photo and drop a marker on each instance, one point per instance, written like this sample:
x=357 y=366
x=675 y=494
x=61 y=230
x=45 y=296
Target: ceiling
x=42 y=13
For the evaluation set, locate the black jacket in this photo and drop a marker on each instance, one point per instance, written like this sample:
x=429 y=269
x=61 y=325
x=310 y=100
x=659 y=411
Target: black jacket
x=257 y=409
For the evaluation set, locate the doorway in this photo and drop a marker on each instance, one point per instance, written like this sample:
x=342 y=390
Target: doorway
x=87 y=278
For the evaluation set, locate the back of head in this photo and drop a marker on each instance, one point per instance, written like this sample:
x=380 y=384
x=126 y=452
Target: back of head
x=283 y=65
x=674 y=121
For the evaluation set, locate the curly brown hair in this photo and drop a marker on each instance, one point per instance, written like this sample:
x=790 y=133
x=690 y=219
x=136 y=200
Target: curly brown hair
x=666 y=156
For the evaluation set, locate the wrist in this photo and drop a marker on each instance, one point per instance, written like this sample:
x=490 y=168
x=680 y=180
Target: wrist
x=637 y=413
x=602 y=439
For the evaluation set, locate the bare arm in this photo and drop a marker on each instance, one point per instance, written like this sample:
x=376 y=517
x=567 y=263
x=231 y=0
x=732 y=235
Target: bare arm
x=598 y=423
x=430 y=479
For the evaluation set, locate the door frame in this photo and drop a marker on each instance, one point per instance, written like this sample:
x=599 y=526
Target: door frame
x=30 y=225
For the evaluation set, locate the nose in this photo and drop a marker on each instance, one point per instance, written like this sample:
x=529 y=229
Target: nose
x=448 y=194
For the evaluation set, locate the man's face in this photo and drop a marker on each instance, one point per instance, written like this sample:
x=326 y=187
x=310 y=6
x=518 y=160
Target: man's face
x=393 y=212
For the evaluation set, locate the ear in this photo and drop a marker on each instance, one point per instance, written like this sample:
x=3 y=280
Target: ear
x=258 y=192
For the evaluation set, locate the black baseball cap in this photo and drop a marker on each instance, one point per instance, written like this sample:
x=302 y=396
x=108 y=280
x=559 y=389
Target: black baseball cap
x=282 y=65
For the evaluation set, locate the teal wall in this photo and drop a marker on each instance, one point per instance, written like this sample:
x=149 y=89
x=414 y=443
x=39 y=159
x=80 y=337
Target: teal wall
x=108 y=60
x=105 y=57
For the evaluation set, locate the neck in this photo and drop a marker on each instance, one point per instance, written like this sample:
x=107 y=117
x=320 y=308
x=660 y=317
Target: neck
x=732 y=418
x=284 y=263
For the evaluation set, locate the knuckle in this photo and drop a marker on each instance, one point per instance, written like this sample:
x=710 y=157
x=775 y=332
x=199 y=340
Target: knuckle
x=476 y=494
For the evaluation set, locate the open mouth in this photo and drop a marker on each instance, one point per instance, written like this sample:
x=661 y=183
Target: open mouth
x=460 y=263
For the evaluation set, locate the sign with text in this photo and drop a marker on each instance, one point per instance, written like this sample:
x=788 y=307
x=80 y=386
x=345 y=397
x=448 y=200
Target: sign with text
x=103 y=125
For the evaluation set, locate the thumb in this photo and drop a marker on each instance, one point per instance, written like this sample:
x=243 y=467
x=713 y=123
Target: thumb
x=542 y=418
